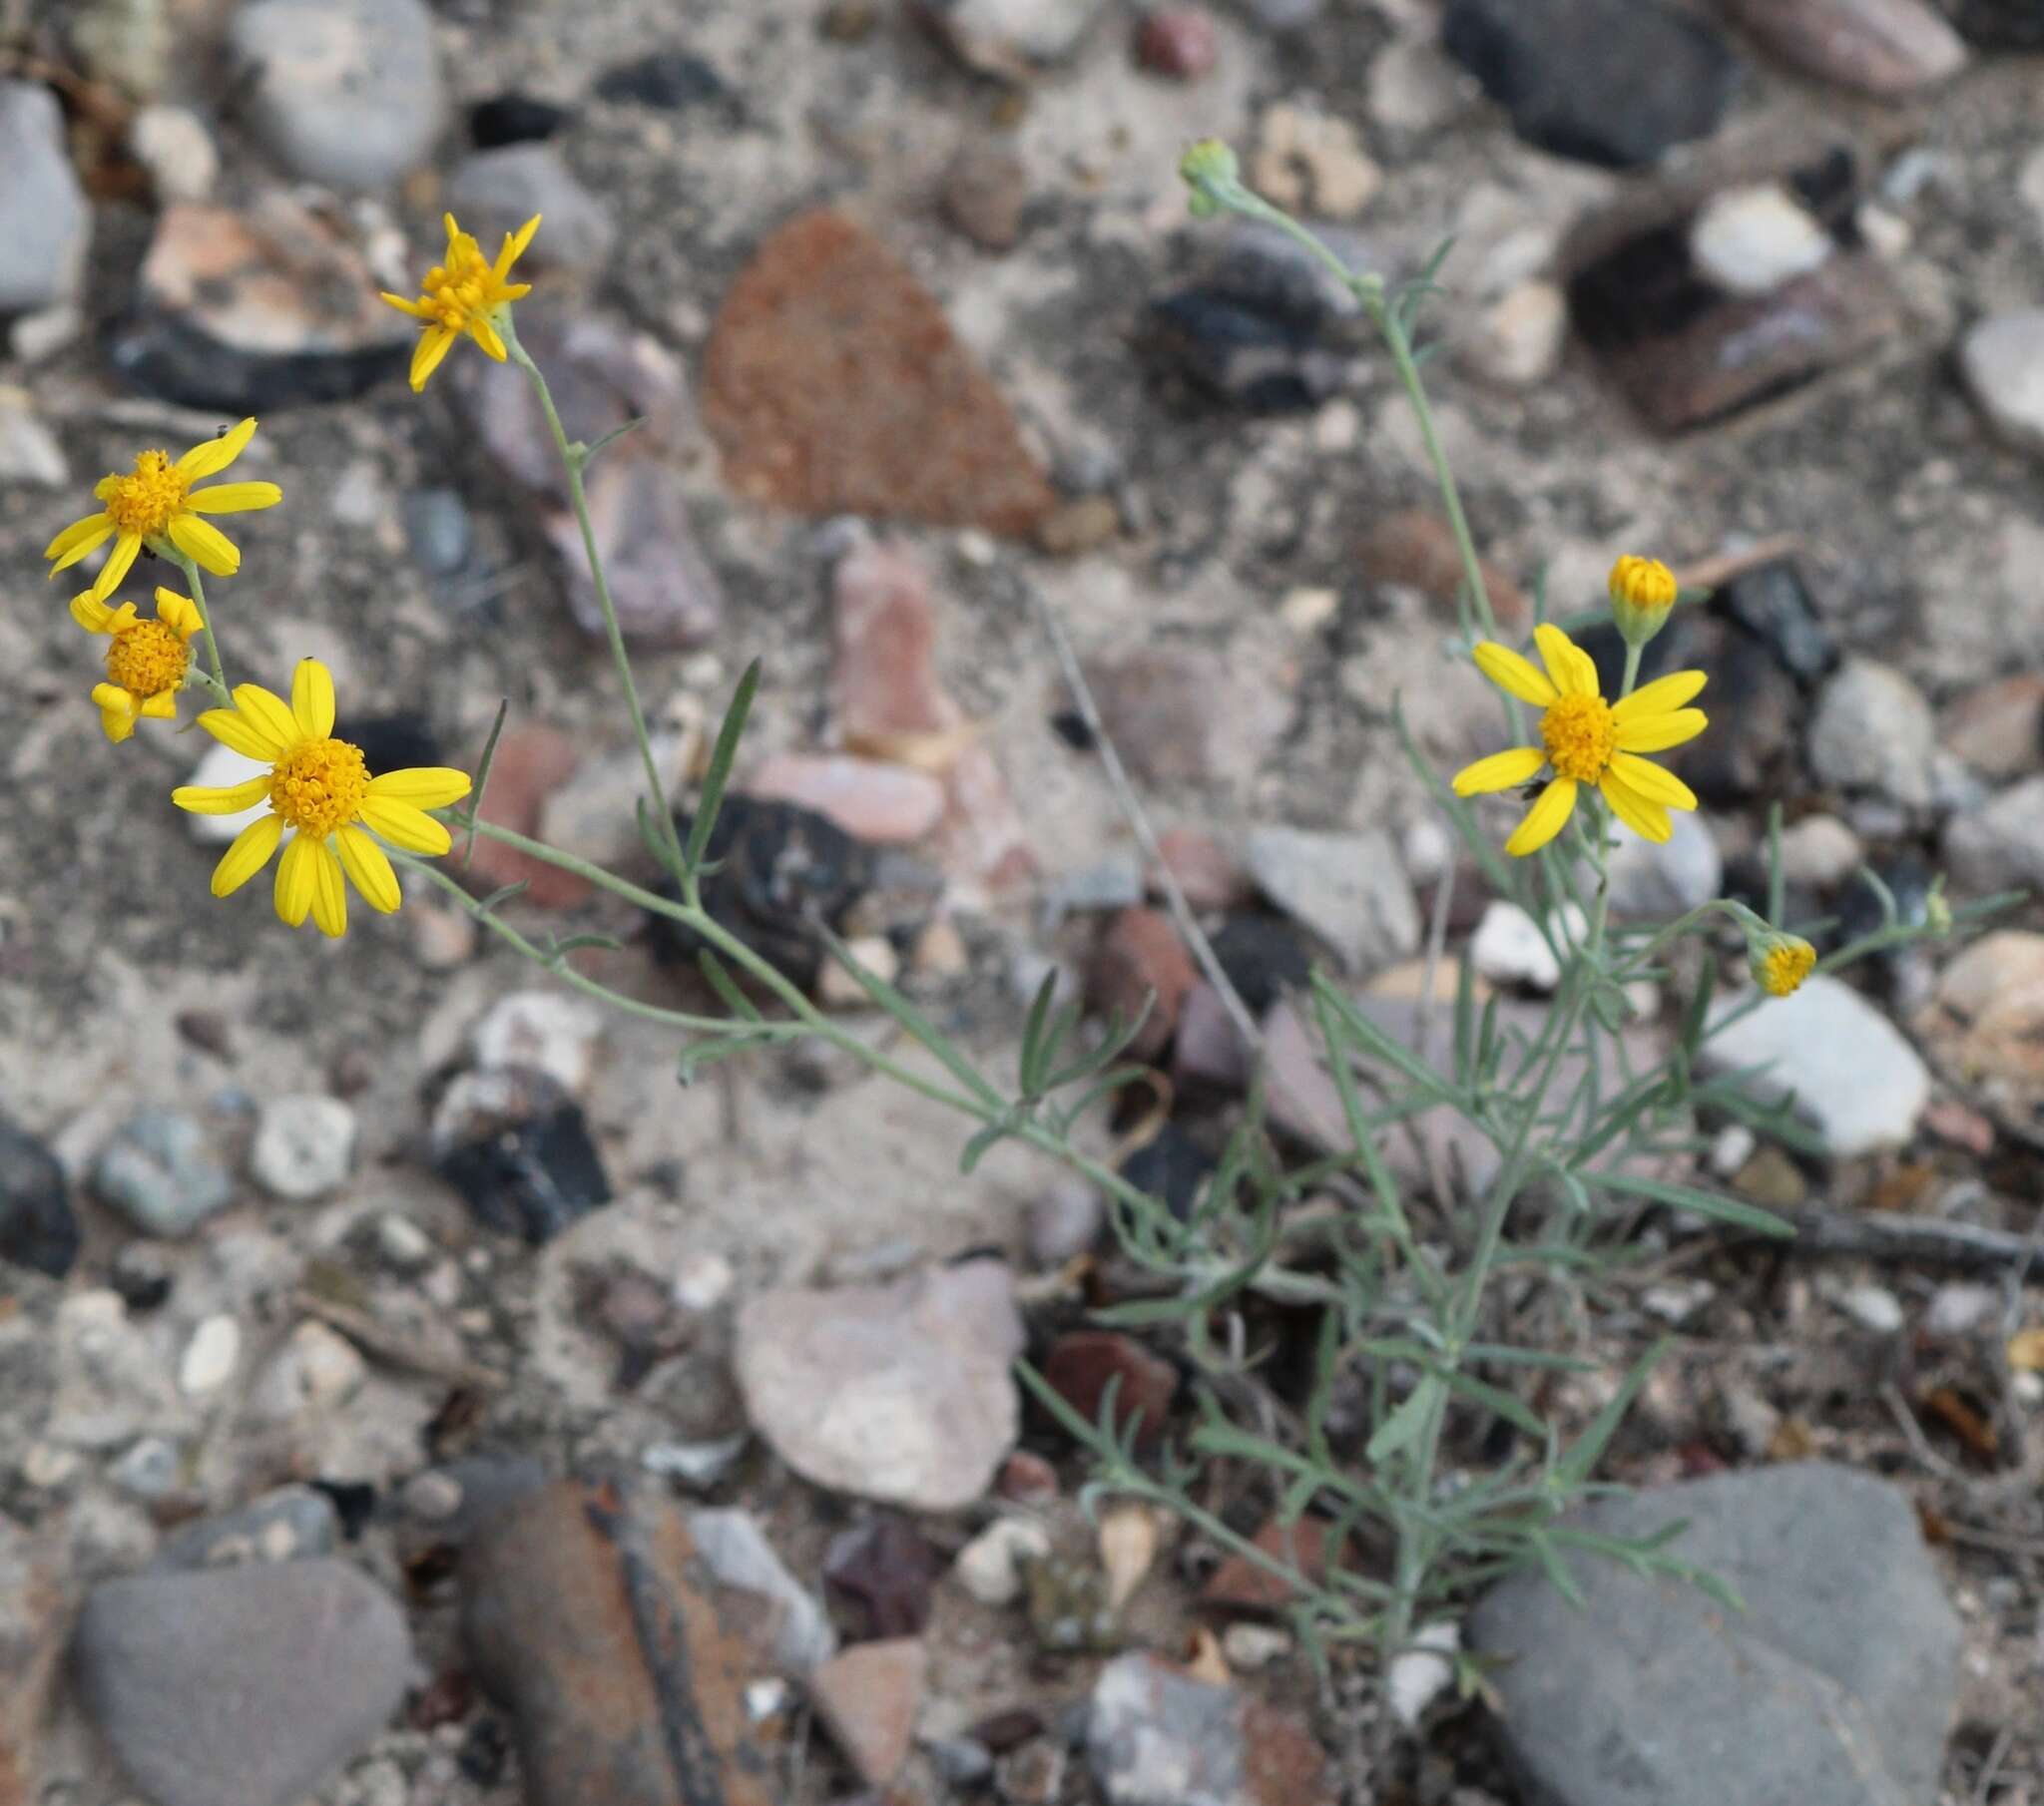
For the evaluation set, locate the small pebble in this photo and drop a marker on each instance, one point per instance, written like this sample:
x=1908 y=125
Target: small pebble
x=1874 y=1308
x=1179 y=42
x=405 y=1246
x=303 y=1147
x=990 y=1566
x=702 y=1282
x=1250 y=1647
x=1508 y=949
x=210 y=1357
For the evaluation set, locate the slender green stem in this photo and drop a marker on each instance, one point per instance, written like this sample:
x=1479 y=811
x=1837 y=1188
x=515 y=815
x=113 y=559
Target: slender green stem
x=574 y=458
x=197 y=589
x=1633 y=650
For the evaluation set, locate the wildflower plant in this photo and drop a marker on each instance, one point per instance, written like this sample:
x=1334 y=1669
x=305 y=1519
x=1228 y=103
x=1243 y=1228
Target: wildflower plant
x=1416 y=1356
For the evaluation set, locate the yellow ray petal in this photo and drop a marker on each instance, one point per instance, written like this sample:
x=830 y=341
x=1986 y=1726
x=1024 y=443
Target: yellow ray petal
x=485 y=336
x=296 y=879
x=234 y=498
x=249 y=854
x=163 y=707
x=514 y=246
x=225 y=799
x=1574 y=671
x=1500 y=771
x=1652 y=782
x=433 y=347
x=1661 y=696
x=313 y=699
x=248 y=738
x=78 y=539
x=402 y=825
x=116 y=565
x=179 y=613
x=402 y=305
x=1642 y=814
x=212 y=456
x=1514 y=675
x=205 y=545
x=368 y=869
x=117 y=710
x=423 y=786
x=92 y=613
x=1544 y=819
x=330 y=894
x=266 y=712
x=1658 y=732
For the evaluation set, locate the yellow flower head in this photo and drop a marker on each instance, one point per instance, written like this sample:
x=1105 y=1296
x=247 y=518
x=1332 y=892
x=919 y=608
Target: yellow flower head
x=1643 y=590
x=319 y=788
x=464 y=293
x=1781 y=962
x=1587 y=741
x=145 y=659
x=155 y=505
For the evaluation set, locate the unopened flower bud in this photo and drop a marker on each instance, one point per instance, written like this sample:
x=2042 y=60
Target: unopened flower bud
x=1209 y=164
x=1643 y=591
x=1779 y=962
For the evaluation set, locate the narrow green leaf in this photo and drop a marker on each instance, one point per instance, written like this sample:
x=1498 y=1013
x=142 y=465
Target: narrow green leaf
x=1405 y=1425
x=726 y=987
x=1572 y=1471
x=1035 y=1053
x=589 y=452
x=722 y=758
x=1556 y=1570
x=473 y=813
x=1687 y=1198
x=501 y=895
x=914 y=1022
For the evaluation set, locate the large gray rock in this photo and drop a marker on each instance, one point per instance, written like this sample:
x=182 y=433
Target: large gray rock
x=240 y=1687
x=496 y=192
x=44 y=223
x=1875 y=731
x=1652 y=883
x=1835 y=1688
x=1850 y=1071
x=1349 y=889
x=344 y=92
x=1999 y=846
x=2002 y=362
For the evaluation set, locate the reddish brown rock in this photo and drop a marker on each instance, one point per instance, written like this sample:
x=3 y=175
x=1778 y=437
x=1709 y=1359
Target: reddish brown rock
x=834 y=385
x=1209 y=875
x=532 y=761
x=1183 y=714
x=588 y=1617
x=1417 y=549
x=868 y=1696
x=986 y=191
x=1998 y=728
x=1179 y=42
x=1027 y=1479
x=878 y=1577
x=1879 y=47
x=1082 y=1364
x=31 y=1641
x=891 y=703
x=1141 y=960
x=1240 y=1585
x=882 y=804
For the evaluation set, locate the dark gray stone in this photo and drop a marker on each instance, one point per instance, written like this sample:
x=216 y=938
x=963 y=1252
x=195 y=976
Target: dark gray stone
x=293 y=1524
x=1836 y=1687
x=37 y=1228
x=1608 y=82
x=240 y=1687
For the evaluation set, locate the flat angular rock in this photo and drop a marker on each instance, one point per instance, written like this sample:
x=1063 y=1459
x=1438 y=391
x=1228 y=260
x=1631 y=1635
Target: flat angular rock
x=834 y=385
x=343 y=92
x=157 y=1170
x=240 y=1687
x=1609 y=82
x=1879 y=47
x=1843 y=1673
x=257 y=310
x=1349 y=889
x=899 y=1393
x=1851 y=1073
x=868 y=1696
x=586 y=1613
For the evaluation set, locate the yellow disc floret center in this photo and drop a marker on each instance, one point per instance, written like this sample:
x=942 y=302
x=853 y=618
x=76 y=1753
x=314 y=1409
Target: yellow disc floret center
x=1580 y=738
x=319 y=785
x=457 y=292
x=144 y=502
x=1788 y=964
x=147 y=658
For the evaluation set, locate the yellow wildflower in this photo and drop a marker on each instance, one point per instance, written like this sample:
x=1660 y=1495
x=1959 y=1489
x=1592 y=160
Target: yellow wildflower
x=1587 y=741
x=1781 y=962
x=465 y=293
x=319 y=788
x=146 y=661
x=156 y=505
x=1643 y=590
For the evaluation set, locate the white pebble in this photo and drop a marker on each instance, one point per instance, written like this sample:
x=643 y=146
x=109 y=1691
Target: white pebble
x=1418 y=1674
x=1750 y=241
x=990 y=1566
x=210 y=1356
x=405 y=1248
x=1733 y=1147
x=1509 y=948
x=546 y=1030
x=1873 y=1308
x=1248 y=1648
x=305 y=1146
x=704 y=1282
x=1960 y=1307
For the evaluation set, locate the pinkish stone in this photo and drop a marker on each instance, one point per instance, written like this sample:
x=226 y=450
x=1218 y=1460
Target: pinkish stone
x=1207 y=872
x=1178 y=41
x=887 y=805
x=1141 y=960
